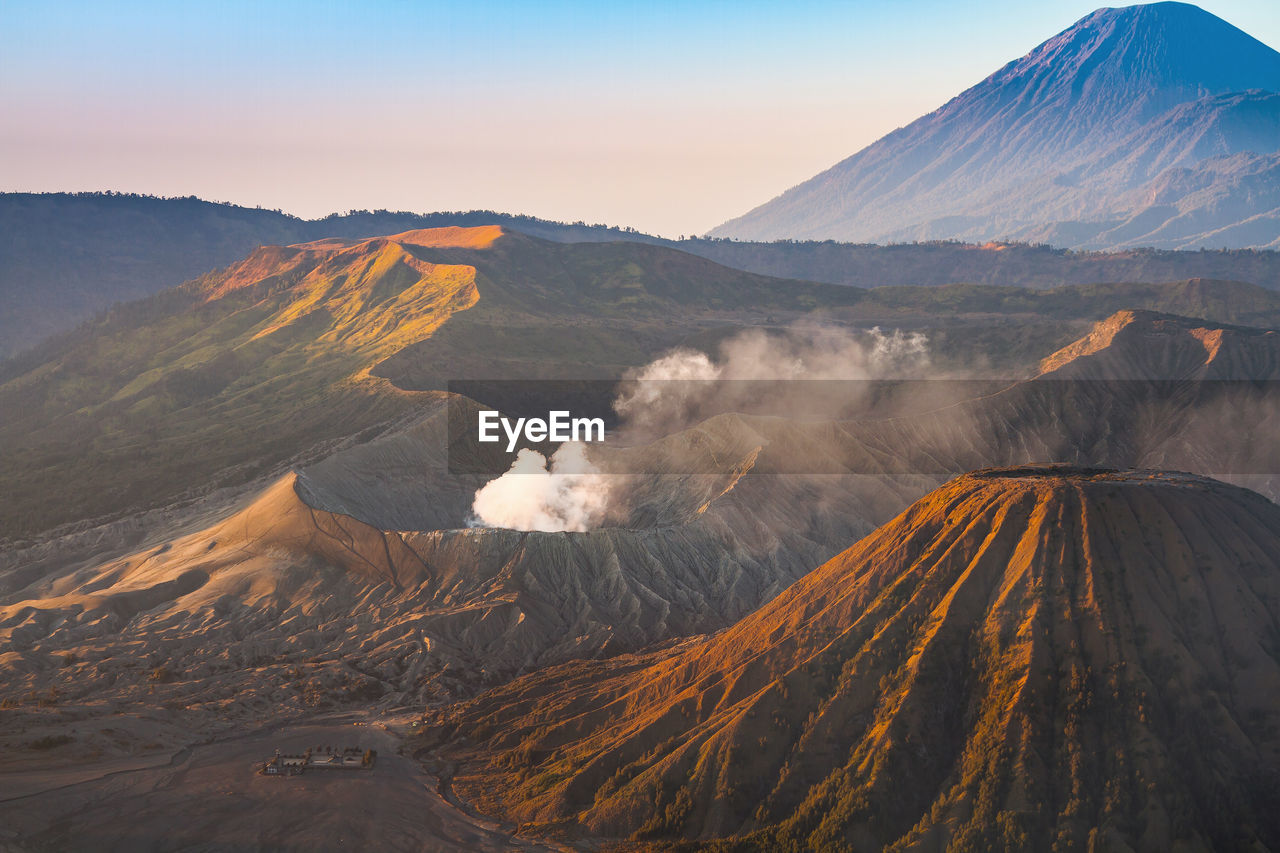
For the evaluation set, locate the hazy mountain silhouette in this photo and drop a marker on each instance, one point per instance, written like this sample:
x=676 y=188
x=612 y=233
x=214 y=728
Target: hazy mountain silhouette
x=1154 y=125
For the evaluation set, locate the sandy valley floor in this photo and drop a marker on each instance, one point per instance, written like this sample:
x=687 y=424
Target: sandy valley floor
x=210 y=798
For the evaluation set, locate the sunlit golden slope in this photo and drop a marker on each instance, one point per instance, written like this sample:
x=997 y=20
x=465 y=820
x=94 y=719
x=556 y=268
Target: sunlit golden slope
x=372 y=293
x=1024 y=658
x=449 y=237
x=243 y=367
x=1151 y=345
x=230 y=375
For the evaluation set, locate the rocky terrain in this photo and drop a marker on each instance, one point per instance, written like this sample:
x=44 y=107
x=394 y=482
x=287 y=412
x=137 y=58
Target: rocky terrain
x=289 y=604
x=921 y=545
x=1025 y=658
x=273 y=362
x=339 y=566
x=360 y=578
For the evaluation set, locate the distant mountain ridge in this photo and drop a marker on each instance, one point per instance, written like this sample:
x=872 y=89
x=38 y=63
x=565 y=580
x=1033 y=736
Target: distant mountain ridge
x=1130 y=128
x=65 y=257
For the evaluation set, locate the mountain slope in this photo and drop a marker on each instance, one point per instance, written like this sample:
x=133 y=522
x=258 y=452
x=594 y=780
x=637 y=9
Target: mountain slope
x=999 y=264
x=230 y=375
x=161 y=395
x=1139 y=390
x=367 y=556
x=1025 y=657
x=1018 y=154
x=1142 y=345
x=357 y=576
x=278 y=356
x=65 y=257
x=226 y=378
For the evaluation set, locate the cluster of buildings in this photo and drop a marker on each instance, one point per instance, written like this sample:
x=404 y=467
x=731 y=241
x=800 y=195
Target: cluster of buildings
x=319 y=758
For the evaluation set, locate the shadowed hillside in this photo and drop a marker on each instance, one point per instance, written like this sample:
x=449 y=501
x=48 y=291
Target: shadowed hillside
x=65 y=257
x=230 y=373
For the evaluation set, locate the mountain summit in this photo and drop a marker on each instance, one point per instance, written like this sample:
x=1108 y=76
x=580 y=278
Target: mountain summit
x=1028 y=658
x=1144 y=125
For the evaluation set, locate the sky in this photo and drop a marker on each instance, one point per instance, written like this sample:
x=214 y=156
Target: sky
x=669 y=117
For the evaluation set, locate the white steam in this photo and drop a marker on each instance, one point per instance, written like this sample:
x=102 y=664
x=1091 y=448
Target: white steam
x=805 y=351
x=566 y=492
x=652 y=403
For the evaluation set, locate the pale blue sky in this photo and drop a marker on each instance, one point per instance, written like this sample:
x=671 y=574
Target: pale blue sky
x=670 y=117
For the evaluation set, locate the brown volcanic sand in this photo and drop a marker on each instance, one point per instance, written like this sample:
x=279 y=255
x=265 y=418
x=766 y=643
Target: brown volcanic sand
x=209 y=797
x=1023 y=658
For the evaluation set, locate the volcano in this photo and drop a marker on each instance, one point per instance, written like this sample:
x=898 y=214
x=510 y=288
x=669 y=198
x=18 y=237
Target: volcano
x=1026 y=658
x=1152 y=125
x=359 y=572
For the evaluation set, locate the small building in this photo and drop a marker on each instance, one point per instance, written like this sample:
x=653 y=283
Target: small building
x=284 y=765
x=319 y=758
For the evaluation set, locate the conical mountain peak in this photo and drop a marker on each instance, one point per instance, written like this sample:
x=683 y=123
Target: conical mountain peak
x=1041 y=149
x=1024 y=659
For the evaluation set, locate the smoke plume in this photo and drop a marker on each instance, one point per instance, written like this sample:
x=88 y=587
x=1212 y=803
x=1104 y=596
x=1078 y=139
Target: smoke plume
x=565 y=492
x=768 y=373
x=754 y=371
